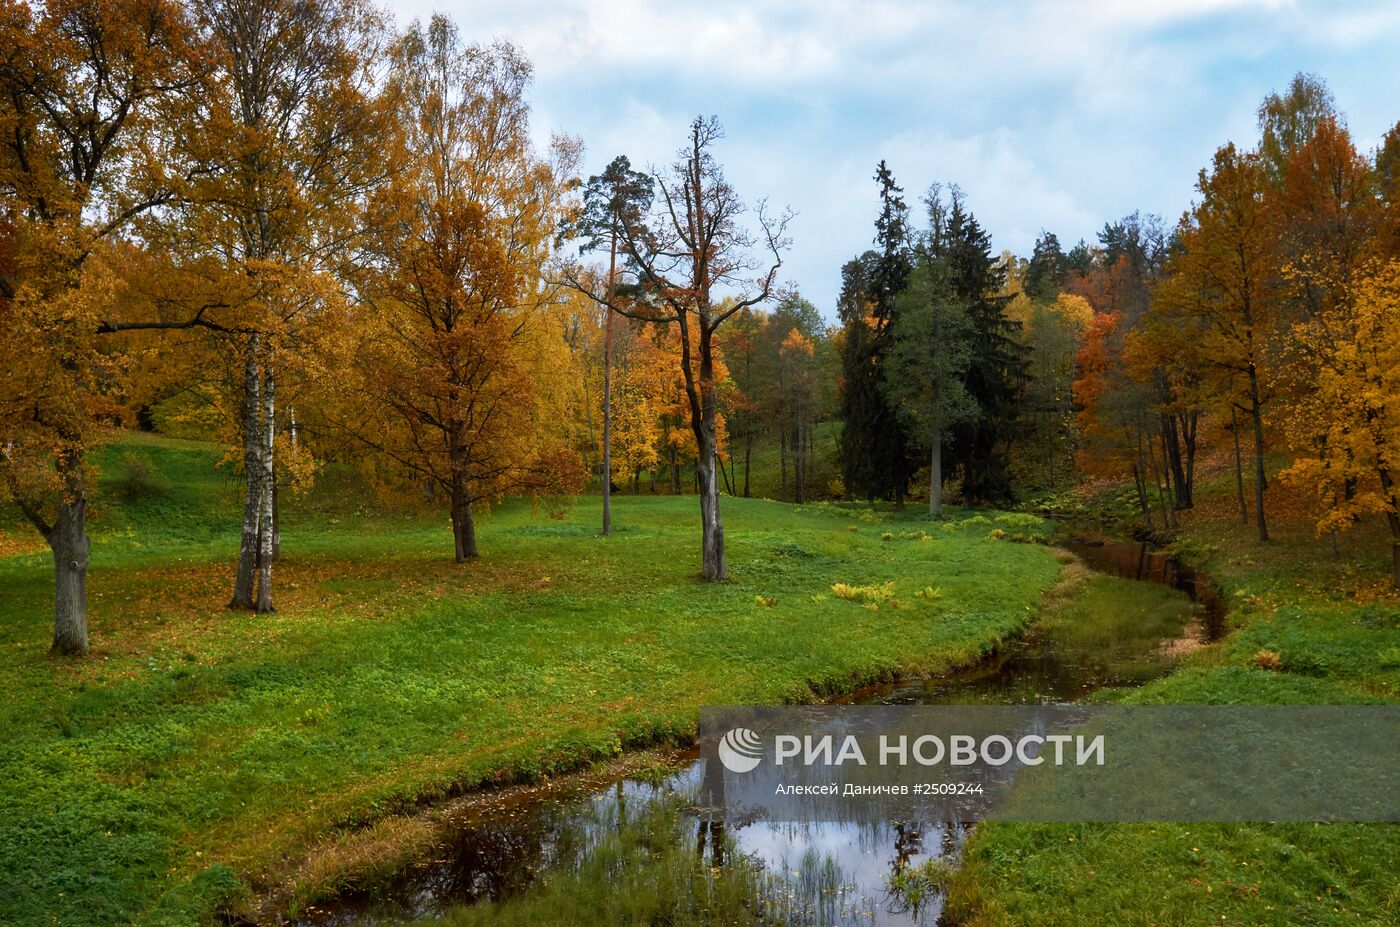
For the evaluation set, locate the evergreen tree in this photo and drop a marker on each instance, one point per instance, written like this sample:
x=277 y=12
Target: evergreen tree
x=862 y=405
x=890 y=273
x=876 y=454
x=997 y=368
x=928 y=359
x=613 y=199
x=1079 y=259
x=1045 y=275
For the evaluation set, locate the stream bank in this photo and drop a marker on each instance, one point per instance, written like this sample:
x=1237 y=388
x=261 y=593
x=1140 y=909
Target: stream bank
x=1126 y=624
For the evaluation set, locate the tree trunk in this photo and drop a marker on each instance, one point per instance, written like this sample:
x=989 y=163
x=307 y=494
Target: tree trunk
x=703 y=421
x=782 y=464
x=712 y=563
x=1140 y=484
x=1239 y=465
x=607 y=428
x=935 y=470
x=1257 y=415
x=1169 y=478
x=675 y=473
x=252 y=474
x=1157 y=481
x=1174 y=447
x=276 y=520
x=748 y=452
x=1187 y=498
x=1393 y=520
x=69 y=542
x=265 y=507
x=607 y=390
x=463 y=526
x=799 y=466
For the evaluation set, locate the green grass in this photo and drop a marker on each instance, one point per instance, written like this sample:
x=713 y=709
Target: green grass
x=634 y=873
x=196 y=754
x=1335 y=629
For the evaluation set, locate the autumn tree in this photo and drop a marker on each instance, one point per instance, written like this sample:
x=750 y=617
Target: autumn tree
x=795 y=406
x=1052 y=332
x=1223 y=269
x=84 y=89
x=461 y=358
x=692 y=248
x=1354 y=349
x=745 y=343
x=641 y=367
x=291 y=137
x=1288 y=120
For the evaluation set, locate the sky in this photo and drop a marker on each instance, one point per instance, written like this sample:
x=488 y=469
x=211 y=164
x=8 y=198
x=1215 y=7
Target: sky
x=1055 y=116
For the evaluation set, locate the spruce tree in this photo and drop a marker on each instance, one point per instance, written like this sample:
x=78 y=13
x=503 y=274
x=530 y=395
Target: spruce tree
x=997 y=368
x=1045 y=274
x=877 y=459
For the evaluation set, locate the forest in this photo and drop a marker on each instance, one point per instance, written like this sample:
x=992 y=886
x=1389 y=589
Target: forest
x=293 y=291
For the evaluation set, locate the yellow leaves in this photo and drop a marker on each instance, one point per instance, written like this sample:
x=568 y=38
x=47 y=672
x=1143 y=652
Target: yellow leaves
x=1075 y=310
x=1348 y=422
x=796 y=345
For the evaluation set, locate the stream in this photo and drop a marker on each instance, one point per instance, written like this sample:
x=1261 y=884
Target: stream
x=838 y=872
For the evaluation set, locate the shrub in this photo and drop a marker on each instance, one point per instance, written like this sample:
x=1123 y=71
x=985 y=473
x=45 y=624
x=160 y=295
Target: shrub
x=1269 y=660
x=139 y=479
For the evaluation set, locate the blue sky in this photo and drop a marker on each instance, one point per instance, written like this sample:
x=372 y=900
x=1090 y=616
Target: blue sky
x=1049 y=115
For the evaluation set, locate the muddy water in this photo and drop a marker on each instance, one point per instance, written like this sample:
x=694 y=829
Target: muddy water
x=844 y=868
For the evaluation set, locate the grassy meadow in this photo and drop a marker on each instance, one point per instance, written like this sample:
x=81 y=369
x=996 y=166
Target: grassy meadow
x=1308 y=628
x=197 y=754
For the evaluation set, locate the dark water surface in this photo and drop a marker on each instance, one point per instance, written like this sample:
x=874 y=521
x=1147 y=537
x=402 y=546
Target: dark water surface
x=843 y=868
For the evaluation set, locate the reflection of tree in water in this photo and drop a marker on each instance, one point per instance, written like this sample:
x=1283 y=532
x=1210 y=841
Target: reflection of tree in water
x=492 y=860
x=709 y=814
x=908 y=843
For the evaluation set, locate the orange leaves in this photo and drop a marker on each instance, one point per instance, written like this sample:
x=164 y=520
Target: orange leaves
x=1096 y=361
x=464 y=377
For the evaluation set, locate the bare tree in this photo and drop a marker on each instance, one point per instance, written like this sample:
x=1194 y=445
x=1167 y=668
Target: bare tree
x=688 y=254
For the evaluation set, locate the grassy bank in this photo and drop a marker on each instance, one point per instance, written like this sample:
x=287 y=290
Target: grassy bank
x=197 y=752
x=1309 y=627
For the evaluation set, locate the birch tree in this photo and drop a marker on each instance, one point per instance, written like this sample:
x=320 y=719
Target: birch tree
x=291 y=134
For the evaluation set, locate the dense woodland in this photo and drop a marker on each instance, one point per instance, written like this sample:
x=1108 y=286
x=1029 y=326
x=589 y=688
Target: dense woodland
x=302 y=232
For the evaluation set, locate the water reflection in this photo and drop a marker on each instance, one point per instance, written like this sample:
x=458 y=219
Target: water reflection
x=817 y=873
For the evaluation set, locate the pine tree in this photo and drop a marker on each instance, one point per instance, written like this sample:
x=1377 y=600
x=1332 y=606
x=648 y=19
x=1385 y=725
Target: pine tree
x=611 y=199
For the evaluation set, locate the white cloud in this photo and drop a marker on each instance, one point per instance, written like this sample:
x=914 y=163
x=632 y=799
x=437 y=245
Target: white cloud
x=1050 y=114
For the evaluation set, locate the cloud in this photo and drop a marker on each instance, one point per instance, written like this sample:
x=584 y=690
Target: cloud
x=1050 y=114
